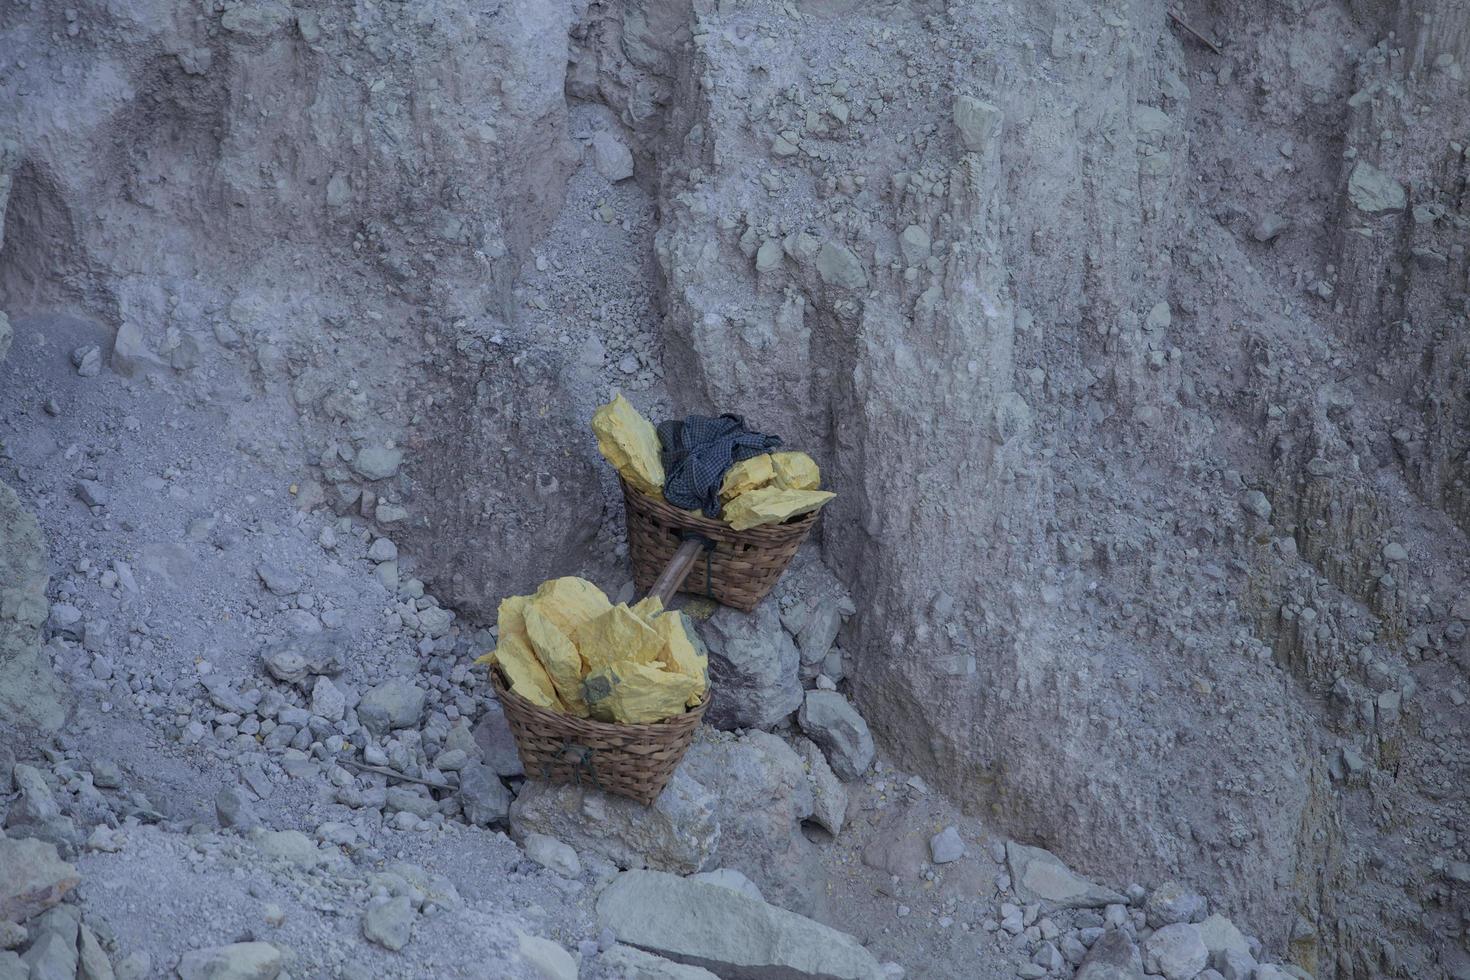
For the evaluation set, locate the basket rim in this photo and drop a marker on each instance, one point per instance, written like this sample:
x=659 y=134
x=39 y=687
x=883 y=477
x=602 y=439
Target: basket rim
x=784 y=531
x=652 y=729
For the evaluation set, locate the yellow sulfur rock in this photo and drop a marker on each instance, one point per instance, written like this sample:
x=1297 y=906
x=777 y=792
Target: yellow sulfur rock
x=628 y=441
x=527 y=677
x=771 y=505
x=647 y=608
x=637 y=694
x=616 y=636
x=570 y=601
x=796 y=471
x=510 y=618
x=746 y=475
x=679 y=655
x=560 y=658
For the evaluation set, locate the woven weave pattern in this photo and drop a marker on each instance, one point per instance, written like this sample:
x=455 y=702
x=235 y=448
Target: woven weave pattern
x=741 y=569
x=635 y=761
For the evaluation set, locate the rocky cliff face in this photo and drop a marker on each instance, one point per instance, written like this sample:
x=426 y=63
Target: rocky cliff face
x=1138 y=364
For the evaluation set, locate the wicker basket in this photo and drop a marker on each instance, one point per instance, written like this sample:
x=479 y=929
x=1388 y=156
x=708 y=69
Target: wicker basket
x=738 y=571
x=635 y=761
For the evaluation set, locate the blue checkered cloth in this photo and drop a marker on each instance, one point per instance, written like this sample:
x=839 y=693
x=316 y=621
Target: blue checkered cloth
x=697 y=452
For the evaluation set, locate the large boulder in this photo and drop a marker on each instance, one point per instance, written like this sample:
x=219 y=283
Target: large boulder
x=727 y=932
x=1176 y=951
x=1040 y=876
x=237 y=961
x=32 y=878
x=831 y=721
x=30 y=695
x=733 y=802
x=762 y=795
x=754 y=667
x=677 y=833
x=1112 y=957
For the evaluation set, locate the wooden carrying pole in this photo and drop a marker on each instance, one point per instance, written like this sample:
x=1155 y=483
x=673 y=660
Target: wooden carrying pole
x=677 y=570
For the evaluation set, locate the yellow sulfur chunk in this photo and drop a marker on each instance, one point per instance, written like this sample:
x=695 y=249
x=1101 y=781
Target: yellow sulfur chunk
x=562 y=661
x=510 y=618
x=796 y=471
x=647 y=608
x=616 y=636
x=570 y=601
x=628 y=441
x=526 y=675
x=637 y=694
x=772 y=506
x=679 y=656
x=746 y=475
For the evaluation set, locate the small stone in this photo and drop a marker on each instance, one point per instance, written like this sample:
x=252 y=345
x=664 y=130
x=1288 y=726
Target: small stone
x=451 y=760
x=389 y=922
x=1234 y=964
x=1176 y=951
x=769 y=256
x=819 y=632
x=829 y=796
x=92 y=962
x=946 y=846
x=1269 y=227
x=13 y=935
x=327 y=701
x=611 y=156
x=552 y=854
x=131 y=352
x=1374 y=191
x=87 y=360
x=547 y=959
x=383 y=550
x=1113 y=956
x=839 y=265
x=829 y=720
x=435 y=621
x=1172 y=902
x=234 y=810
x=914 y=244
x=978 y=122
x=1393 y=551
x=377 y=462
x=136 y=965
x=93 y=494
x=392 y=704
x=106 y=774
x=482 y=796
x=277 y=579
x=497 y=743
x=1255 y=502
